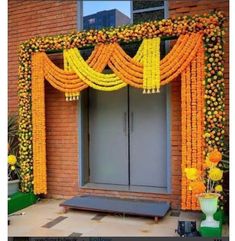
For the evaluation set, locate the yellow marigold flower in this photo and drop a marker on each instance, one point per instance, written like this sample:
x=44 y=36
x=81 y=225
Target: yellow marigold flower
x=218 y=188
x=12 y=160
x=215 y=174
x=13 y=168
x=191 y=173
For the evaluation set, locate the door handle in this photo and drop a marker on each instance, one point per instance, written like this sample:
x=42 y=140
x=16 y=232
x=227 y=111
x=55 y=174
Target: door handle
x=125 y=123
x=132 y=122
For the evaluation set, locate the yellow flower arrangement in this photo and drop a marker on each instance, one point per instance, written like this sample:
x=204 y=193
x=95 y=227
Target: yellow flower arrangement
x=218 y=188
x=12 y=160
x=215 y=174
x=13 y=168
x=207 y=182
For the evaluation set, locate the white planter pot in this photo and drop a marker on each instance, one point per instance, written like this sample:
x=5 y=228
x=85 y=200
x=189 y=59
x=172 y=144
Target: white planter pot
x=209 y=205
x=13 y=186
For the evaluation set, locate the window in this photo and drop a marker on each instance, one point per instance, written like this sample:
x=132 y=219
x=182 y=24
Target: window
x=146 y=4
x=148 y=10
x=148 y=16
x=104 y=14
x=91 y=20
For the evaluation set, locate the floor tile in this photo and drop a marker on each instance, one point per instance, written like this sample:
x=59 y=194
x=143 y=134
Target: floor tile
x=75 y=235
x=99 y=216
x=54 y=222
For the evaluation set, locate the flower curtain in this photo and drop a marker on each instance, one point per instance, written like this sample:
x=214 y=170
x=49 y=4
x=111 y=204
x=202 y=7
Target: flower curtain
x=144 y=70
x=192 y=122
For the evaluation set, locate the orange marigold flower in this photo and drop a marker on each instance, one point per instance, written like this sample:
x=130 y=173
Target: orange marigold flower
x=198 y=187
x=215 y=156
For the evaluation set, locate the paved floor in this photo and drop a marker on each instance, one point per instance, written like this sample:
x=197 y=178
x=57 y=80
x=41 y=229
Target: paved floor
x=46 y=218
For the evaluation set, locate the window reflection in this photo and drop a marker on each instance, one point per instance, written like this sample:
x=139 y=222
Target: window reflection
x=104 y=14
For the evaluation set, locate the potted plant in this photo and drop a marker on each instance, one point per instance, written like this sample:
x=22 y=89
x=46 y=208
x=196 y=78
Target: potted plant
x=206 y=187
x=13 y=165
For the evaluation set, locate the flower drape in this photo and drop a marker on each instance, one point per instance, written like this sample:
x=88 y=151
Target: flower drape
x=192 y=99
x=144 y=70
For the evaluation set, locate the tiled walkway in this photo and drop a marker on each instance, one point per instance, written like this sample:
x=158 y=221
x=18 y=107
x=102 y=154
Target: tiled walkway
x=47 y=219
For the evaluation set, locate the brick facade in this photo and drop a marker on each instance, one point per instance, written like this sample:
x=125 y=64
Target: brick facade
x=30 y=18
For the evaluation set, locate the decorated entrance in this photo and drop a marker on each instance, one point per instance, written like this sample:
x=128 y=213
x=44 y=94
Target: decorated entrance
x=196 y=57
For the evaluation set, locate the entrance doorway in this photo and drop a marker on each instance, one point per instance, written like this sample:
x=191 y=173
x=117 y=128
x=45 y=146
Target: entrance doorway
x=125 y=142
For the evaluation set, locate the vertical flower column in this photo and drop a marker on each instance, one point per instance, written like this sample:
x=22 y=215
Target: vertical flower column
x=184 y=141
x=151 y=65
x=192 y=103
x=214 y=88
x=186 y=135
x=25 y=121
x=200 y=108
x=38 y=121
x=194 y=120
x=189 y=131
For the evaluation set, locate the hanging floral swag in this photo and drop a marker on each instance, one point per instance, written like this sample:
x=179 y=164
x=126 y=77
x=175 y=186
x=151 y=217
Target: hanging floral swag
x=213 y=116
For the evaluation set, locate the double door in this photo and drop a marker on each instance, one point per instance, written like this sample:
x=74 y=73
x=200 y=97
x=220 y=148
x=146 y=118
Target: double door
x=128 y=138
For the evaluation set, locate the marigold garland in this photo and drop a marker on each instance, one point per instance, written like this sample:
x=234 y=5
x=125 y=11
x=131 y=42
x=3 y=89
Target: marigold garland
x=38 y=121
x=96 y=80
x=125 y=68
x=194 y=122
x=151 y=65
x=68 y=82
x=213 y=117
x=132 y=71
x=192 y=125
x=184 y=182
x=189 y=127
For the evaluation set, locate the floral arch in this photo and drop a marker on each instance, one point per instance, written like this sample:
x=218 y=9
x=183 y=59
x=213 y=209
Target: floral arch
x=197 y=57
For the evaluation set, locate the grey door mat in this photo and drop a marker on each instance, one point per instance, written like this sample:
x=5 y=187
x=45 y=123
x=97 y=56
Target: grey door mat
x=118 y=205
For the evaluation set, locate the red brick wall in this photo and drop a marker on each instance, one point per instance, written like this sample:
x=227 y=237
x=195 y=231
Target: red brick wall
x=62 y=141
x=30 y=18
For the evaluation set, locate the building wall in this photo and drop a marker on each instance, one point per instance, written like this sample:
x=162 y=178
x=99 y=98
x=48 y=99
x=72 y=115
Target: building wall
x=30 y=18
x=121 y=19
